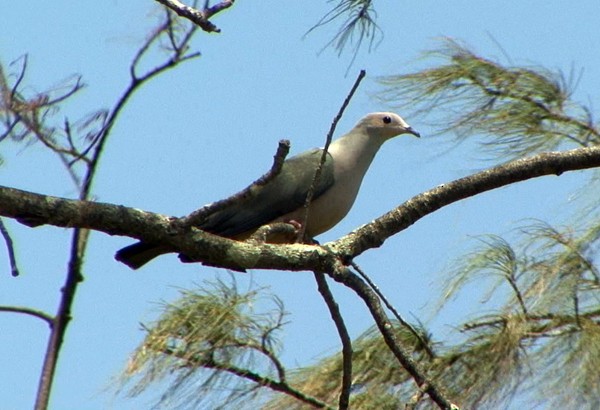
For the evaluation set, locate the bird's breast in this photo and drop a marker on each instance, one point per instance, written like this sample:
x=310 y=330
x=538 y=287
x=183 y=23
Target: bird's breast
x=329 y=209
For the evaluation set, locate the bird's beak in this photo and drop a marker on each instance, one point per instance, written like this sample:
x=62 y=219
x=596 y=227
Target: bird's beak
x=411 y=130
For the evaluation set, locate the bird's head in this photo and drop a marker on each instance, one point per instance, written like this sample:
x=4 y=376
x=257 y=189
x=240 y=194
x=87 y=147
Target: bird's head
x=386 y=125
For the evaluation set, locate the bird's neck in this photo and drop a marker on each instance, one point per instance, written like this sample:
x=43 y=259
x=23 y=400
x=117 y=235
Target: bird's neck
x=355 y=151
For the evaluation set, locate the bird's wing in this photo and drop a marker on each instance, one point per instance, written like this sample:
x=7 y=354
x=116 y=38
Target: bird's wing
x=280 y=196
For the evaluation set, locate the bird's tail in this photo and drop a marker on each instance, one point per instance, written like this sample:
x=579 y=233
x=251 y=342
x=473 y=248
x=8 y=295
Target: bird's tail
x=137 y=255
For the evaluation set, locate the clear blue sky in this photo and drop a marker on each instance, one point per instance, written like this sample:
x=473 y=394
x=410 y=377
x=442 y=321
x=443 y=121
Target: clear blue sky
x=206 y=129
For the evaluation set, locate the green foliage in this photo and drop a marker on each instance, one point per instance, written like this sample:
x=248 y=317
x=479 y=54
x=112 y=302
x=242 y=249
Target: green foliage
x=541 y=336
x=203 y=340
x=516 y=110
x=543 y=341
x=359 y=24
x=379 y=381
x=546 y=336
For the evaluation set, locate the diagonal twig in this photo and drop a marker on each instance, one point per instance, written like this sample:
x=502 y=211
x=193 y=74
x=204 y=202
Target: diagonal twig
x=354 y=282
x=317 y=177
x=197 y=217
x=392 y=309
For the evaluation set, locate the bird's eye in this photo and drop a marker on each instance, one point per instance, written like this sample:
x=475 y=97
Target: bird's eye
x=387 y=120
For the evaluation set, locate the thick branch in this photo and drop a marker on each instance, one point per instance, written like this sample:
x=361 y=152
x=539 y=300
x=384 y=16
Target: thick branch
x=374 y=234
x=34 y=209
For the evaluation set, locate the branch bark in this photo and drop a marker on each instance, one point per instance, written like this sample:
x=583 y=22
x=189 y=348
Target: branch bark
x=35 y=209
x=374 y=234
x=10 y=248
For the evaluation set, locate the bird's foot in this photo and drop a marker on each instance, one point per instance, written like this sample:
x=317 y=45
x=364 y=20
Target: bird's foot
x=305 y=239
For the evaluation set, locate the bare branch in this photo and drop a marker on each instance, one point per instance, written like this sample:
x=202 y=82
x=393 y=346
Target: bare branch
x=317 y=177
x=371 y=299
x=197 y=217
x=14 y=269
x=278 y=386
x=136 y=83
x=334 y=310
x=423 y=342
x=31 y=312
x=200 y=18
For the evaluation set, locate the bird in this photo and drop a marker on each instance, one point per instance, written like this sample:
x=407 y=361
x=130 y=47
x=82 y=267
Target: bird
x=282 y=198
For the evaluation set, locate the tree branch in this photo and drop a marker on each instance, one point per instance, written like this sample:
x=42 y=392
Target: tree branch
x=423 y=343
x=370 y=298
x=275 y=385
x=317 y=177
x=200 y=18
x=31 y=312
x=35 y=209
x=334 y=310
x=280 y=386
x=374 y=234
x=10 y=248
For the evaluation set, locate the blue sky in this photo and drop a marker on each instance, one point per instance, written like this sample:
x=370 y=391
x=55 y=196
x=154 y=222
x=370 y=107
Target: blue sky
x=205 y=130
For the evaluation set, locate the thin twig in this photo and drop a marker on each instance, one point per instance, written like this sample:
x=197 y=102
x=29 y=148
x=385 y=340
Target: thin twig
x=317 y=177
x=20 y=77
x=270 y=383
x=334 y=311
x=31 y=312
x=513 y=284
x=279 y=386
x=197 y=217
x=371 y=299
x=10 y=248
x=392 y=309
